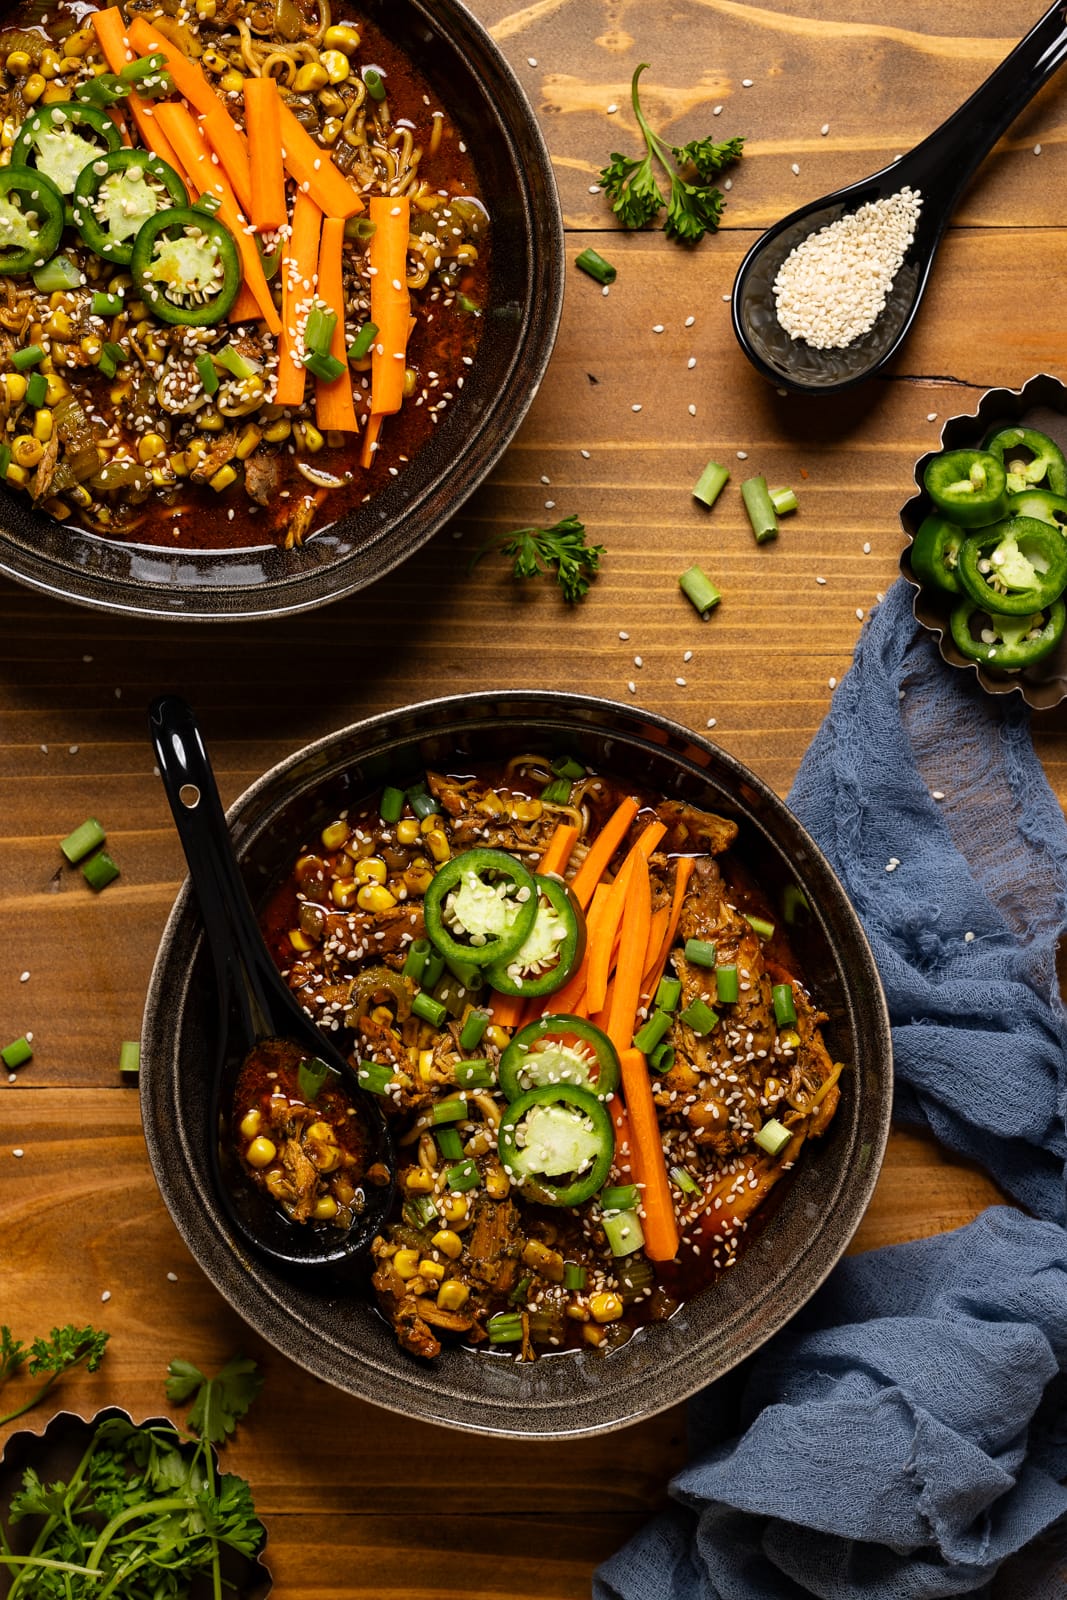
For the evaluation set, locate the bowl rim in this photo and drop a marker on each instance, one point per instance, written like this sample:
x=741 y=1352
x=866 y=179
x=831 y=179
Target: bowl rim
x=488 y=437
x=451 y=1407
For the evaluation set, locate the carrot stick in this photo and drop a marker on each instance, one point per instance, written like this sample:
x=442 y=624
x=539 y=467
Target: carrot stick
x=633 y=942
x=189 y=80
x=646 y=1159
x=682 y=874
x=623 y=1141
x=601 y=851
x=299 y=278
x=231 y=147
x=511 y=1010
x=334 y=406
x=656 y=930
x=245 y=308
x=602 y=951
x=370 y=439
x=390 y=301
x=110 y=28
x=264 y=123
x=570 y=1000
x=313 y=169
x=558 y=850
x=206 y=178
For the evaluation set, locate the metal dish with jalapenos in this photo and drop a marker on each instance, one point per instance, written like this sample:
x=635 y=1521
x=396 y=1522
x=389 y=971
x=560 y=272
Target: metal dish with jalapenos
x=243 y=265
x=589 y=1034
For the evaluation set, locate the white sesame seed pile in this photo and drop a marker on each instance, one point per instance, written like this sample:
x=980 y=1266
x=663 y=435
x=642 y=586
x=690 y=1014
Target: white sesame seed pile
x=833 y=287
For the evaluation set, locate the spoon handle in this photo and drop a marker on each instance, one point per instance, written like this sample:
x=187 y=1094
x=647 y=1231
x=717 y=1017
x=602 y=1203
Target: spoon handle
x=229 y=920
x=955 y=149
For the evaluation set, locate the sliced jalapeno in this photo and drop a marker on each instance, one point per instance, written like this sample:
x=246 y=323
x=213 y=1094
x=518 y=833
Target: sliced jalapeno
x=31 y=225
x=559 y=1049
x=480 y=906
x=1015 y=568
x=117 y=194
x=557 y=1144
x=1030 y=459
x=1041 y=504
x=185 y=267
x=1007 y=642
x=970 y=486
x=551 y=950
x=53 y=140
x=935 y=553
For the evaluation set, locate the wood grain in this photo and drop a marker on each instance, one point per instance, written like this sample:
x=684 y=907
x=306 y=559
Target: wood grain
x=359 y=1503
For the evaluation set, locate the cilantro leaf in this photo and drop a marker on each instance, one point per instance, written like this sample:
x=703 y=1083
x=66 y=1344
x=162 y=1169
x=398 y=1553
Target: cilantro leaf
x=706 y=157
x=220 y=1401
x=12 y=1353
x=632 y=188
x=64 y=1349
x=693 y=211
x=536 y=552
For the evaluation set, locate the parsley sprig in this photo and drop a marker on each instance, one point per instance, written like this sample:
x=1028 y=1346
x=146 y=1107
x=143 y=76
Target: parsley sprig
x=64 y=1349
x=693 y=208
x=543 y=552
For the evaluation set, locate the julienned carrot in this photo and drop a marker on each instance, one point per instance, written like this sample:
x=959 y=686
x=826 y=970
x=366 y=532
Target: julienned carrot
x=334 y=406
x=263 y=119
x=232 y=149
x=390 y=300
x=110 y=28
x=206 y=178
x=602 y=950
x=509 y=1010
x=245 y=308
x=313 y=170
x=630 y=968
x=370 y=439
x=570 y=1000
x=601 y=851
x=682 y=874
x=300 y=271
x=657 y=928
x=646 y=1159
x=189 y=80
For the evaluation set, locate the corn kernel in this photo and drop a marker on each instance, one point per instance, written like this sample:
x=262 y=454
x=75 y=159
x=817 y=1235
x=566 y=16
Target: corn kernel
x=455 y=1208
x=18 y=63
x=334 y=836
x=33 y=88
x=373 y=897
x=592 y=1333
x=151 y=445
x=7 y=135
x=341 y=36
x=344 y=891
x=526 y=810
x=299 y=940
x=336 y=64
x=606 y=1307
x=372 y=869
x=80 y=495
x=577 y=1313
x=49 y=64
x=56 y=388
x=261 y=1152
x=137 y=311
x=406 y=1263
x=206 y=9
x=26 y=450
x=310 y=77
x=42 y=425
x=428 y=824
x=59 y=324
x=14 y=388
x=497 y=1182
x=80 y=43
x=215 y=61
x=497 y=1036
x=437 y=844
x=418 y=1181
x=417 y=879
x=407 y=831
x=325 y=1208
x=251 y=434
x=210 y=422
x=162 y=477
x=278 y=1185
x=250 y=1123
x=91 y=346
x=54 y=95
x=179 y=464
x=330 y=131
x=478 y=1144
x=17 y=475
x=232 y=81
x=431 y=1269
x=453 y=1295
x=308 y=437
x=278 y=431
x=450 y=1244
x=153 y=349
x=69 y=64
x=425 y=1065
x=223 y=478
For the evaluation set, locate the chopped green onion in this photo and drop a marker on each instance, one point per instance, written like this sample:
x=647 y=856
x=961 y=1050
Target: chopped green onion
x=209 y=378
x=700 y=1017
x=794 y=904
x=325 y=367
x=423 y=805
x=17 y=1053
x=427 y=1009
x=668 y=994
x=662 y=1057
x=471 y=307
x=448 y=1111
x=474 y=1074
x=431 y=972
x=785 y=1012
x=111 y=358
x=700 y=952
x=208 y=203
x=360 y=229
x=361 y=344
x=37 y=390
x=83 y=841
x=470 y=976
x=557 y=793
x=449 y=1143
x=375 y=1077
x=391 y=805
x=415 y=960
x=375 y=82
x=711 y=483
x=623 y=1197
x=684 y=1180
x=103 y=91
x=773 y=1136
x=633 y=1277
x=574 y=1275
x=106 y=305
x=419 y=1211
x=623 y=1231
x=233 y=362
x=470 y=1035
x=505 y=1327
x=59 y=273
x=143 y=68
x=5 y=459
x=726 y=985
x=651 y=1032
x=99 y=871
x=567 y=767
x=463 y=1176
x=761 y=926
x=699 y=589
x=311 y=1075
x=520 y=1291
x=318 y=329
x=784 y=501
x=130 y=1058
x=760 y=510
x=593 y=262
x=23 y=360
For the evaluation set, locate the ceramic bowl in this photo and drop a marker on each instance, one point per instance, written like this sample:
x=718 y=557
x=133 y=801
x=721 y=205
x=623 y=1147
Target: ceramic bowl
x=460 y=60
x=1042 y=404
x=336 y=1333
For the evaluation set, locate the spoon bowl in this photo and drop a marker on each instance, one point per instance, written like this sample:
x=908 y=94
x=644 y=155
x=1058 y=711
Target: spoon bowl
x=255 y=1005
x=938 y=169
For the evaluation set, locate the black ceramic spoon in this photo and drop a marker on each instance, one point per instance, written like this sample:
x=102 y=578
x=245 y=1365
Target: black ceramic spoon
x=254 y=1004
x=939 y=168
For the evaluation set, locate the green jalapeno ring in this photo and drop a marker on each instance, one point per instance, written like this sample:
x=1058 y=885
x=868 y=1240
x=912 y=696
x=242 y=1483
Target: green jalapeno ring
x=91 y=180
x=935 y=552
x=507 y=973
x=148 y=286
x=45 y=203
x=67 y=116
x=557 y=1062
x=473 y=880
x=1042 y=505
x=1047 y=467
x=1015 y=644
x=1010 y=551
x=557 y=1131
x=968 y=486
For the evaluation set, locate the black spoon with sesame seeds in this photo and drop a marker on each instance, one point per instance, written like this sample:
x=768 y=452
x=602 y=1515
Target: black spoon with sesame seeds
x=938 y=169
x=256 y=1005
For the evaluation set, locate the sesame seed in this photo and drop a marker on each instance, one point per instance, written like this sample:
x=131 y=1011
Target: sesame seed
x=892 y=864
x=968 y=938
x=612 y=109
x=820 y=580
x=931 y=416
x=795 y=170
x=635 y=408
x=710 y=722
x=832 y=682
x=867 y=548
x=106 y=1296
x=716 y=111
x=24 y=977
x=692 y=410
x=746 y=83
x=1037 y=149
x=531 y=61
x=742 y=455
x=825 y=129
x=680 y=682
x=172 y=1277
x=859 y=613
x=623 y=636
x=691 y=363
x=632 y=686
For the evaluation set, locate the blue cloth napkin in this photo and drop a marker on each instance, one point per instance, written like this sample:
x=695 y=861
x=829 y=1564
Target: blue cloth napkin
x=903 y=1438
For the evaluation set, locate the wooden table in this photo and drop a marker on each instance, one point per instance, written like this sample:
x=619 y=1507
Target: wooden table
x=357 y=1502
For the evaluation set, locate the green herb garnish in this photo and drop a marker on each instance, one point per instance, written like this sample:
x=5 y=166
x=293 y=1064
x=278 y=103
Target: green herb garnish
x=311 y=1075
x=694 y=208
x=63 y=1350
x=540 y=552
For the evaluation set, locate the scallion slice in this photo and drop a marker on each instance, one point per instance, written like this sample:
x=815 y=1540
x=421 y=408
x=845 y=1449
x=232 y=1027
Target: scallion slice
x=375 y=1077
x=700 y=952
x=129 y=1058
x=449 y=1144
x=427 y=1009
x=700 y=1017
x=651 y=1032
x=99 y=871
x=785 y=1012
x=470 y=1035
x=760 y=509
x=391 y=804
x=209 y=378
x=324 y=366
x=668 y=994
x=784 y=501
x=361 y=344
x=623 y=1231
x=761 y=926
x=23 y=360
x=106 y=305
x=463 y=1176
x=318 y=330
x=17 y=1053
x=699 y=589
x=557 y=793
x=233 y=362
x=423 y=805
x=448 y=1111
x=505 y=1327
x=415 y=960
x=773 y=1136
x=374 y=79
x=592 y=262
x=726 y=985
x=684 y=1180
x=83 y=841
x=36 y=390
x=711 y=483
x=621 y=1197
x=662 y=1057
x=474 y=1074
x=574 y=1275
